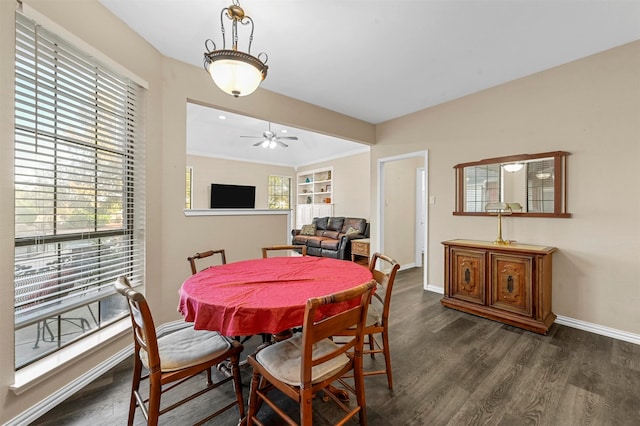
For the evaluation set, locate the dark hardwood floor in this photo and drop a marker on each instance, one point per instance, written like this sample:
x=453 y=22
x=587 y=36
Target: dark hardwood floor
x=450 y=368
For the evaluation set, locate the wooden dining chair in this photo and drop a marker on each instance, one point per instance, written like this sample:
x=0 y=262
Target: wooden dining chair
x=378 y=313
x=168 y=364
x=307 y=363
x=297 y=248
x=197 y=256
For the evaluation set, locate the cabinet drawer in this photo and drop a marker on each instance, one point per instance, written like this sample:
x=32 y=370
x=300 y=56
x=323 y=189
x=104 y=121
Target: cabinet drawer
x=468 y=275
x=361 y=248
x=511 y=286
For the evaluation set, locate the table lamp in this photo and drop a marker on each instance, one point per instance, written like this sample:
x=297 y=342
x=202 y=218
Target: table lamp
x=501 y=209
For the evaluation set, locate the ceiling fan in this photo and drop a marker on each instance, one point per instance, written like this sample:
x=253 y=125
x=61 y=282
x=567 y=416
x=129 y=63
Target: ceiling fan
x=271 y=139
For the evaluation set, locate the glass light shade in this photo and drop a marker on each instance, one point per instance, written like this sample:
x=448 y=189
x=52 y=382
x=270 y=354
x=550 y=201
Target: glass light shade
x=513 y=167
x=235 y=77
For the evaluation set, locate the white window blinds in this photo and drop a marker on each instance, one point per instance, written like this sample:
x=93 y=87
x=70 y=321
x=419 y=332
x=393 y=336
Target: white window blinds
x=79 y=177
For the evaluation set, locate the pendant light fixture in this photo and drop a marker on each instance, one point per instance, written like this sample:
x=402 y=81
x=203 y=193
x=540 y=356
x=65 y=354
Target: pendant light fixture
x=233 y=71
x=512 y=167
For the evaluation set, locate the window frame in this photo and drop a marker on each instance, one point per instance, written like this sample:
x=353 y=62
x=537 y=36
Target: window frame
x=277 y=182
x=32 y=98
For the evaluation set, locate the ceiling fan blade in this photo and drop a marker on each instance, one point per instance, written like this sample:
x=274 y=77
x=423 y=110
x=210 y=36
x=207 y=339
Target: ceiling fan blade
x=289 y=138
x=258 y=143
x=282 y=144
x=254 y=137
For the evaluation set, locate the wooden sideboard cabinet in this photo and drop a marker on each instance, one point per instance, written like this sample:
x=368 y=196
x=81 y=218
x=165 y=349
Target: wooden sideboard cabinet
x=511 y=283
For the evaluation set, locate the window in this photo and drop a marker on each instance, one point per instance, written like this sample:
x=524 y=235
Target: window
x=79 y=192
x=279 y=192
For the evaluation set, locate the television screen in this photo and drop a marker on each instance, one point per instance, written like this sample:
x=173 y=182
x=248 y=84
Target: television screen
x=232 y=196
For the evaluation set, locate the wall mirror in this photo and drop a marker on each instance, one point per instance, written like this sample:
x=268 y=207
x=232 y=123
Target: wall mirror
x=538 y=182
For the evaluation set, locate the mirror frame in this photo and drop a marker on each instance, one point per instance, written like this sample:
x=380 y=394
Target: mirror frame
x=560 y=183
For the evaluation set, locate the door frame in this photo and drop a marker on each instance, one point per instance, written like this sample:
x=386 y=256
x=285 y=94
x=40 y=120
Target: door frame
x=381 y=202
x=420 y=196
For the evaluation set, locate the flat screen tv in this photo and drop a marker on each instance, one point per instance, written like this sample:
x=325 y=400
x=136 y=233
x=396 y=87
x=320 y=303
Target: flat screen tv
x=232 y=196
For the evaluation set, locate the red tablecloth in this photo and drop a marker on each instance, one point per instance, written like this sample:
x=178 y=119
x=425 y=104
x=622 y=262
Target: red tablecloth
x=263 y=295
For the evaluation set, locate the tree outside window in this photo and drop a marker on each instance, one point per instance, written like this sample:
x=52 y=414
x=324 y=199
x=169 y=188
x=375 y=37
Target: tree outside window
x=279 y=192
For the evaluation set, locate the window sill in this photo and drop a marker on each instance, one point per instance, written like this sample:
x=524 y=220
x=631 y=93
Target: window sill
x=34 y=374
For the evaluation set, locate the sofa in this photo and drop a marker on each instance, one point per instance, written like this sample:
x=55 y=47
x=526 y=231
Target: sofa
x=331 y=236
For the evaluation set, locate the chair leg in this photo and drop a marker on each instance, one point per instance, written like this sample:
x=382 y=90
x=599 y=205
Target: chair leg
x=306 y=411
x=135 y=386
x=371 y=345
x=387 y=357
x=209 y=380
x=358 y=382
x=237 y=383
x=253 y=397
x=155 y=391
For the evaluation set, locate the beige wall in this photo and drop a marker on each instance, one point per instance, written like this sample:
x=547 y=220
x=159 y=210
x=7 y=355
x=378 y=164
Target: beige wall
x=171 y=236
x=208 y=170
x=351 y=175
x=590 y=108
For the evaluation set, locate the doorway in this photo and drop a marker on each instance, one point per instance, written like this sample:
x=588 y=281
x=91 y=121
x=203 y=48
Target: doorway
x=402 y=189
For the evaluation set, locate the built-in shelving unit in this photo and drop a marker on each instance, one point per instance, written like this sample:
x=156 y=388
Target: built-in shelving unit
x=314 y=195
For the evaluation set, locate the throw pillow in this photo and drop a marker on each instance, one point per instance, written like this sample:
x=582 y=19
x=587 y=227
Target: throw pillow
x=308 y=230
x=352 y=230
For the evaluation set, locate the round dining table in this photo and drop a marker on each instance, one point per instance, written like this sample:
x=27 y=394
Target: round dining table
x=264 y=295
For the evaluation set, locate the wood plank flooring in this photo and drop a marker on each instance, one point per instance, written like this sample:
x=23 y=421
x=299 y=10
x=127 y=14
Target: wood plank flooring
x=450 y=368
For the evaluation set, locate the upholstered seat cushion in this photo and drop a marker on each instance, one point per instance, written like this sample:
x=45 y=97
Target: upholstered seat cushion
x=283 y=360
x=330 y=244
x=334 y=235
x=315 y=241
x=373 y=316
x=300 y=239
x=187 y=347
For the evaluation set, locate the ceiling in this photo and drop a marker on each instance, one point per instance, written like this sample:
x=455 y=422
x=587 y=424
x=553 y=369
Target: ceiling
x=209 y=135
x=377 y=60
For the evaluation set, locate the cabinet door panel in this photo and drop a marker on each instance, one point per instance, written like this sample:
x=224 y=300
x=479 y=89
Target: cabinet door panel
x=468 y=275
x=304 y=215
x=511 y=285
x=322 y=210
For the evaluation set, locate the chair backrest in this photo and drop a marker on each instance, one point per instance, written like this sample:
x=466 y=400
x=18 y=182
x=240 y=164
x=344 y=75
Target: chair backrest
x=340 y=322
x=192 y=259
x=385 y=280
x=144 y=331
x=301 y=248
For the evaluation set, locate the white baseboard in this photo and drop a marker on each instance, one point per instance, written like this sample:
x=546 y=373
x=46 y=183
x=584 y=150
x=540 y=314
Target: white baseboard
x=599 y=329
x=580 y=325
x=408 y=266
x=53 y=400
x=434 y=288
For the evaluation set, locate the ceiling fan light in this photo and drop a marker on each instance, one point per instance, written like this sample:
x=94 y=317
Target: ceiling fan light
x=272 y=144
x=265 y=144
